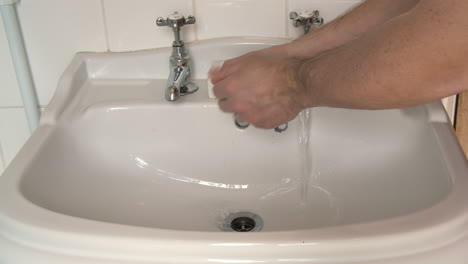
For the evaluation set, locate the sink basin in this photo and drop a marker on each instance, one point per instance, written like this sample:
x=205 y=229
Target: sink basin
x=115 y=173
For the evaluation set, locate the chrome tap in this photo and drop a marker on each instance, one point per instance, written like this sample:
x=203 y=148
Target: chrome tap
x=180 y=63
x=308 y=20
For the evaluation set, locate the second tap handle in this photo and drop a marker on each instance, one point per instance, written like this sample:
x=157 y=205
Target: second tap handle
x=190 y=20
x=175 y=21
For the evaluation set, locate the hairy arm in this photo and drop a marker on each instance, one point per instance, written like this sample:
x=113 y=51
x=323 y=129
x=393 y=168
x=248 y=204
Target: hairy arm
x=412 y=59
x=350 y=26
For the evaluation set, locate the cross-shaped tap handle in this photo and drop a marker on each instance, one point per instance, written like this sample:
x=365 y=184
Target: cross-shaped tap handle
x=176 y=21
x=306 y=19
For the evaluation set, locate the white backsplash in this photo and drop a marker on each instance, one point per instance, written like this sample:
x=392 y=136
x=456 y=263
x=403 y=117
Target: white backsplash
x=131 y=24
x=9 y=93
x=54 y=30
x=224 y=18
x=329 y=10
x=14 y=131
x=2 y=162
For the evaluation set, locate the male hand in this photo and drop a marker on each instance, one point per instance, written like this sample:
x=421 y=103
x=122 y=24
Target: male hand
x=260 y=87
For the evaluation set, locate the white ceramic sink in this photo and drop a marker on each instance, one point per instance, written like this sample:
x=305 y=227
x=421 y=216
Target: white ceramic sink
x=116 y=174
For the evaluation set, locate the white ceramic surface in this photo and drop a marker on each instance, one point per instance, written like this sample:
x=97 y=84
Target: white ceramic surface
x=2 y=160
x=54 y=31
x=9 y=94
x=14 y=131
x=116 y=174
x=131 y=25
x=224 y=18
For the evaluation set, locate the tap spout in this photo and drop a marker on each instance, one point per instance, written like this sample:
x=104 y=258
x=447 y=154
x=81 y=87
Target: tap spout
x=177 y=79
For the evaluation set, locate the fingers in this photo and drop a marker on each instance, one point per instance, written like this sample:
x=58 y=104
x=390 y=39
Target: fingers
x=268 y=123
x=231 y=98
x=227 y=69
x=215 y=67
x=242 y=114
x=226 y=105
x=241 y=118
x=232 y=105
x=261 y=118
x=263 y=103
x=220 y=90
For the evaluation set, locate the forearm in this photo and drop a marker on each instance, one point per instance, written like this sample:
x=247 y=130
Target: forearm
x=410 y=60
x=360 y=20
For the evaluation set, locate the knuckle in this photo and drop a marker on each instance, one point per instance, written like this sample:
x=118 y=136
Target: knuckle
x=229 y=87
x=227 y=64
x=223 y=105
x=240 y=117
x=253 y=118
x=238 y=107
x=260 y=125
x=265 y=125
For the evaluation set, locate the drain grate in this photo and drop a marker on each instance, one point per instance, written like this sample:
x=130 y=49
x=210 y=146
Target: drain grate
x=242 y=222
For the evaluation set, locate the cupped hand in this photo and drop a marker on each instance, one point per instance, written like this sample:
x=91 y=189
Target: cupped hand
x=261 y=88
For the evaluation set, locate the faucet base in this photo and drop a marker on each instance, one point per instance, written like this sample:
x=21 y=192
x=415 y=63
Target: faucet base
x=173 y=93
x=190 y=88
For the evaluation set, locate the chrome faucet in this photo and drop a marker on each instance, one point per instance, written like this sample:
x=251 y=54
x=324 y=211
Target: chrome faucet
x=180 y=63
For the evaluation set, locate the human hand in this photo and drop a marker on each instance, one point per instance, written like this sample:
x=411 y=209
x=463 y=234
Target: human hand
x=261 y=88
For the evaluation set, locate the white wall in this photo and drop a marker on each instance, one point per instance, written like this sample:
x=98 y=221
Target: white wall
x=55 y=30
x=2 y=166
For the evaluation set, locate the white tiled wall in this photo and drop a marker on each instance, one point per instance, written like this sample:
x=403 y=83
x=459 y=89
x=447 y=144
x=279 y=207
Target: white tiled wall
x=2 y=162
x=55 y=30
x=9 y=93
x=265 y=18
x=329 y=10
x=131 y=24
x=13 y=131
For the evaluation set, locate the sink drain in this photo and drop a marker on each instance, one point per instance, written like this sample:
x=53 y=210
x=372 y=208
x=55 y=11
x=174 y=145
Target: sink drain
x=242 y=222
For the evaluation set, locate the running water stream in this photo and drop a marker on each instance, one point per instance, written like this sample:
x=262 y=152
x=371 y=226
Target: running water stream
x=306 y=162
x=308 y=178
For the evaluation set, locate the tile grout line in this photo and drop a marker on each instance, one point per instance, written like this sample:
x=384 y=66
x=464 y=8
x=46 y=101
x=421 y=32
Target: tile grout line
x=195 y=28
x=18 y=107
x=104 y=24
x=10 y=107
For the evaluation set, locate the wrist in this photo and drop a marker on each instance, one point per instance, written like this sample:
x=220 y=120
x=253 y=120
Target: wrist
x=304 y=71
